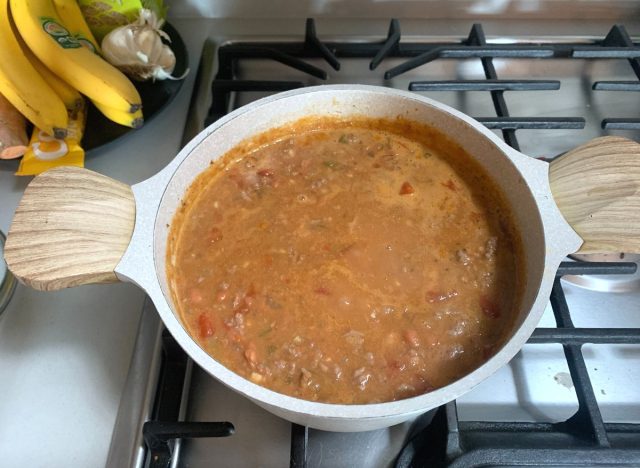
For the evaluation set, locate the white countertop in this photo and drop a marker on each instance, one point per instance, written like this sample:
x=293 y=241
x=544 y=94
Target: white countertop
x=64 y=356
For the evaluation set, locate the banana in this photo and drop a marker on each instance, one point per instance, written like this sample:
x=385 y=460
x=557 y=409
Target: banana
x=73 y=19
x=77 y=123
x=42 y=29
x=128 y=119
x=23 y=86
x=70 y=96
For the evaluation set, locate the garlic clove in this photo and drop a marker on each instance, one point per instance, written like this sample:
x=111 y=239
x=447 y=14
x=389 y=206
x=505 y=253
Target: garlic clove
x=143 y=57
x=147 y=42
x=167 y=60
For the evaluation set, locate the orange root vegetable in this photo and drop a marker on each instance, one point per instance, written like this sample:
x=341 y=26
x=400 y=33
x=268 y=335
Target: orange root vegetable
x=13 y=131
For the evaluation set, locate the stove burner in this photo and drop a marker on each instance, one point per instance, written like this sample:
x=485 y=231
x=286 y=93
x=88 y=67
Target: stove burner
x=439 y=438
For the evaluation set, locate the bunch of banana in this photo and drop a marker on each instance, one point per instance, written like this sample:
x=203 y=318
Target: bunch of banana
x=49 y=57
x=74 y=21
x=24 y=87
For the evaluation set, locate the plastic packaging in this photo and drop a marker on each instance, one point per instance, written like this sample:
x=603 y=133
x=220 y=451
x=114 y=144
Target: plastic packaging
x=104 y=15
x=45 y=152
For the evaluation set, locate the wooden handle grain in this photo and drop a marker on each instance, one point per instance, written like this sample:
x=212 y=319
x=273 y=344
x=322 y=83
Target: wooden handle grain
x=597 y=188
x=71 y=227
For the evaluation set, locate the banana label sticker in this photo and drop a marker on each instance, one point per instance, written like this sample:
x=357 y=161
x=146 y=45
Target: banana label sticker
x=59 y=33
x=83 y=41
x=48 y=148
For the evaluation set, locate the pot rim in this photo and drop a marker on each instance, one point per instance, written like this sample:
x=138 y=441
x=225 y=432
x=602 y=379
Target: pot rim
x=150 y=194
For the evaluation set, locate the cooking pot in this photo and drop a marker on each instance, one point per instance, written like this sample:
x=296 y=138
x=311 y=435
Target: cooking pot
x=74 y=226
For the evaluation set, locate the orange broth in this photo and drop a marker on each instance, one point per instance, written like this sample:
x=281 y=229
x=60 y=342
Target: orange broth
x=346 y=261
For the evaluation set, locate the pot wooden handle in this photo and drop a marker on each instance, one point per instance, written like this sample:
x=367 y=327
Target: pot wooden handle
x=597 y=188
x=71 y=227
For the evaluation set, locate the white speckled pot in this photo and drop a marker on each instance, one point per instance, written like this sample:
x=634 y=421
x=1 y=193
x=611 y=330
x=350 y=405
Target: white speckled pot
x=546 y=235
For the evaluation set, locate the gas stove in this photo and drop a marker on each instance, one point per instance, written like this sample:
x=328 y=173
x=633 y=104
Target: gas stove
x=571 y=396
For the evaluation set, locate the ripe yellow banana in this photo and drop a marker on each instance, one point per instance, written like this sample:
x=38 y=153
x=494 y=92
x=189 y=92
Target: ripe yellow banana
x=70 y=96
x=42 y=29
x=73 y=19
x=128 y=119
x=23 y=86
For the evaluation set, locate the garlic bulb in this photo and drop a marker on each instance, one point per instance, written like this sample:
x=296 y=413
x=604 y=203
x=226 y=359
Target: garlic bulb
x=137 y=49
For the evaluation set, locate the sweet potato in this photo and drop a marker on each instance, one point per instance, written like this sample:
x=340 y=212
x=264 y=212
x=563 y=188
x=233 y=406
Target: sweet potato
x=13 y=131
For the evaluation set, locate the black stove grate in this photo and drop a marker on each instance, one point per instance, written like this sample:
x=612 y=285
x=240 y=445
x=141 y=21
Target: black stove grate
x=584 y=439
x=616 y=45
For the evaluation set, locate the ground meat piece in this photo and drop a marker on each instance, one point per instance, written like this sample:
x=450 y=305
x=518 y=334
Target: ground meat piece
x=490 y=248
x=354 y=338
x=305 y=377
x=362 y=377
x=463 y=257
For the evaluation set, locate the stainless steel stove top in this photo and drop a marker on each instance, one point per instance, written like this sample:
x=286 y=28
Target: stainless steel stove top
x=535 y=386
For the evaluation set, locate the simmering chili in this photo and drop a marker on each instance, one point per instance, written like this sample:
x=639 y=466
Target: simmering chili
x=346 y=261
